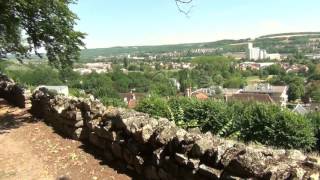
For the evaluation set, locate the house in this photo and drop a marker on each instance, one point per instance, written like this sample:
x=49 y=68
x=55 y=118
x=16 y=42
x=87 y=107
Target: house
x=277 y=93
x=227 y=92
x=298 y=68
x=89 y=68
x=251 y=97
x=300 y=109
x=313 y=56
x=210 y=91
x=131 y=99
x=201 y=95
x=254 y=65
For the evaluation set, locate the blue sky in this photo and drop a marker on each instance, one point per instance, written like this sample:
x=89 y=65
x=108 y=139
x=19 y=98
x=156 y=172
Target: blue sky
x=151 y=22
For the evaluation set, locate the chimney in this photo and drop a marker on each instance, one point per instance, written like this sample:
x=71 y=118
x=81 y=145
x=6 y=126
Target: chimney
x=188 y=92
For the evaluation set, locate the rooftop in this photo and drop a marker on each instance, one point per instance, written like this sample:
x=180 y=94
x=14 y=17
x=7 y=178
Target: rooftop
x=249 y=97
x=264 y=88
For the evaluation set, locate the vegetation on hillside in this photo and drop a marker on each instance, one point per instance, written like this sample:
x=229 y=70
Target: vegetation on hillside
x=292 y=44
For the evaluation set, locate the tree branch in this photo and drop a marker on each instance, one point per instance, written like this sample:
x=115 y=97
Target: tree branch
x=185 y=12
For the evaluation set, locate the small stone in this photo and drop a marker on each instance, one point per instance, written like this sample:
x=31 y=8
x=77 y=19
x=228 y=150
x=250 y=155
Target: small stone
x=138 y=164
x=193 y=163
x=227 y=176
x=209 y=172
x=80 y=134
x=194 y=130
x=295 y=155
x=181 y=159
x=79 y=124
x=314 y=176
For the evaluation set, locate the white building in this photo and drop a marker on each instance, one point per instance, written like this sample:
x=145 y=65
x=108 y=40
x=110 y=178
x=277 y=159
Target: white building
x=277 y=93
x=313 y=56
x=275 y=56
x=89 y=68
x=255 y=53
x=254 y=65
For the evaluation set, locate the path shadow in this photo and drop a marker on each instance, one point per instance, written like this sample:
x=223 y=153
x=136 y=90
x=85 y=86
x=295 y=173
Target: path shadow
x=12 y=117
x=118 y=165
x=86 y=146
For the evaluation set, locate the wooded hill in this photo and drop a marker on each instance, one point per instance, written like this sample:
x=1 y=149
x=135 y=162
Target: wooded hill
x=274 y=43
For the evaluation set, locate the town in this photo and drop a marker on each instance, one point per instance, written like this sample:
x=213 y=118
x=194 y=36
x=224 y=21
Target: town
x=257 y=88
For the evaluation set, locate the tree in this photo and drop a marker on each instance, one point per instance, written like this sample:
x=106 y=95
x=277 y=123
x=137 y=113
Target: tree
x=275 y=69
x=295 y=91
x=313 y=91
x=46 y=23
x=234 y=82
x=125 y=63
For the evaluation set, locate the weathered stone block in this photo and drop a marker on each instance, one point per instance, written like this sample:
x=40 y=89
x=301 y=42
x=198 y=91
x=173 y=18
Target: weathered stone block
x=108 y=155
x=181 y=159
x=116 y=150
x=209 y=172
x=97 y=141
x=151 y=173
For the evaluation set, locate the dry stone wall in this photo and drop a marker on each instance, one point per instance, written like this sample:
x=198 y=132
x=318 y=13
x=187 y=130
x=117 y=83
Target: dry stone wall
x=12 y=92
x=158 y=149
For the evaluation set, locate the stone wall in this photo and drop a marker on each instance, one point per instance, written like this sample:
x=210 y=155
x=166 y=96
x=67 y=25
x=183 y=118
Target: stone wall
x=12 y=92
x=158 y=149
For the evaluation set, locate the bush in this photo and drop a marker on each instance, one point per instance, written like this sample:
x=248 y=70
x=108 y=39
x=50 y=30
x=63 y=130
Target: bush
x=269 y=125
x=261 y=123
x=315 y=120
x=34 y=76
x=154 y=106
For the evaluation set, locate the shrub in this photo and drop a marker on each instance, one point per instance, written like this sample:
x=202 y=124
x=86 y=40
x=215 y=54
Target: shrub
x=154 y=106
x=315 y=121
x=255 y=122
x=268 y=124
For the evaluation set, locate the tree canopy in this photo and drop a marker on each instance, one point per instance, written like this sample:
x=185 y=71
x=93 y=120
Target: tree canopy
x=28 y=25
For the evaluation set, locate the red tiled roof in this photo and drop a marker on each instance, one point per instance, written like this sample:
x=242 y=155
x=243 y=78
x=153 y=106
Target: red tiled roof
x=201 y=96
x=132 y=103
x=130 y=95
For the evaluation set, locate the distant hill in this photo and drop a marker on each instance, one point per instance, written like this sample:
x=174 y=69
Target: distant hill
x=280 y=43
x=291 y=34
x=114 y=51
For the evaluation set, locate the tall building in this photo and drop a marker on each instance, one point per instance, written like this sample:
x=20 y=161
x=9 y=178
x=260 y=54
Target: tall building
x=256 y=53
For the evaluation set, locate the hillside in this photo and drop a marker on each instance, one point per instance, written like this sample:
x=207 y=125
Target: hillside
x=274 y=43
x=115 y=51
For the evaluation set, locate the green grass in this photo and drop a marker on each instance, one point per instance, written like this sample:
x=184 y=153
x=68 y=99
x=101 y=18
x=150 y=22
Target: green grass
x=253 y=79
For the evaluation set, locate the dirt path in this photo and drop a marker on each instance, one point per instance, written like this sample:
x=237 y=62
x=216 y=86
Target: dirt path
x=31 y=150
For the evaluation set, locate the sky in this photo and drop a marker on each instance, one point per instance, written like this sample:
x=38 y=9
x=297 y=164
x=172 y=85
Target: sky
x=110 y=23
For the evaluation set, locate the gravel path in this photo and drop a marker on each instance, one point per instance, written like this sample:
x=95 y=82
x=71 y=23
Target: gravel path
x=31 y=150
